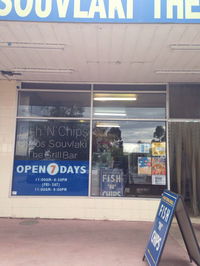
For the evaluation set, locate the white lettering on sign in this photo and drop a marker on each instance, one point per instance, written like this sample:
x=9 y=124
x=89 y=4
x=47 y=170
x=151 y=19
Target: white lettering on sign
x=100 y=9
x=164 y=213
x=7 y=9
x=38 y=8
x=77 y=10
x=97 y=6
x=183 y=9
x=62 y=8
x=175 y=3
x=44 y=8
x=189 y=14
x=51 y=169
x=116 y=6
x=112 y=178
x=157 y=8
x=25 y=11
x=129 y=9
x=111 y=194
x=156 y=240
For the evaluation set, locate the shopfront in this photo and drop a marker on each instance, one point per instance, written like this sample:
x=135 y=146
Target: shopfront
x=106 y=141
x=95 y=123
x=93 y=140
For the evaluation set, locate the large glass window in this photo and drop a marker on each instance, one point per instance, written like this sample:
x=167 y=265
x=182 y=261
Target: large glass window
x=52 y=155
x=53 y=135
x=129 y=158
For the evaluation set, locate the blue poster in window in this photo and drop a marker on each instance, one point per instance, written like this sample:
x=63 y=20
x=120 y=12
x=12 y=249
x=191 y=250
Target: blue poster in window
x=111 y=182
x=50 y=178
x=161 y=227
x=51 y=158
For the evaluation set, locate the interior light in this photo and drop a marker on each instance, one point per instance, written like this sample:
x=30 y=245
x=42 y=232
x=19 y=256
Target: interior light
x=115 y=98
x=44 y=70
x=103 y=124
x=30 y=45
x=178 y=71
x=109 y=114
x=189 y=47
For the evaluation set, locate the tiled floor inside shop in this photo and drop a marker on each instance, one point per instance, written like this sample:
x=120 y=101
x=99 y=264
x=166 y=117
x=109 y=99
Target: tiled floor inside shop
x=28 y=242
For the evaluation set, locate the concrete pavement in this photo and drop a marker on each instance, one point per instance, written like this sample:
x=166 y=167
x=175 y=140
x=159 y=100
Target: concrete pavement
x=43 y=242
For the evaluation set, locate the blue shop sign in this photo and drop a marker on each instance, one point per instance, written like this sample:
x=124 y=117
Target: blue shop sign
x=50 y=178
x=101 y=11
x=161 y=227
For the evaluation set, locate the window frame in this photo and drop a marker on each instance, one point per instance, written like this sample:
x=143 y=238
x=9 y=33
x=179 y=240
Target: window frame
x=91 y=118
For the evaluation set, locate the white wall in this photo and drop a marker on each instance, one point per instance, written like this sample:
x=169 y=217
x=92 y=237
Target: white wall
x=131 y=209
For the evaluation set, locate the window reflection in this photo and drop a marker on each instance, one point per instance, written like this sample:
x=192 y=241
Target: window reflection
x=52 y=140
x=184 y=101
x=124 y=105
x=50 y=104
x=133 y=153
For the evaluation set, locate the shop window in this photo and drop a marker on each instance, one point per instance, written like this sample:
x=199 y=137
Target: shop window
x=129 y=105
x=129 y=158
x=54 y=104
x=53 y=137
x=184 y=101
x=52 y=155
